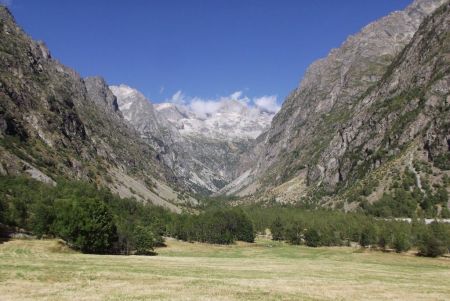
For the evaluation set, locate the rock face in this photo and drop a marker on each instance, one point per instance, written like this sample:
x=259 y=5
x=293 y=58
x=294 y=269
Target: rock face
x=203 y=150
x=325 y=128
x=54 y=123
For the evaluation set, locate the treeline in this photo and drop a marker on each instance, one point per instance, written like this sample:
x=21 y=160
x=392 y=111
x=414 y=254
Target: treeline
x=220 y=226
x=334 y=228
x=96 y=221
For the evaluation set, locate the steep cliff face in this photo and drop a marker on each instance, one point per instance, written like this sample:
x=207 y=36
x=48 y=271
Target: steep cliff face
x=202 y=150
x=296 y=152
x=53 y=123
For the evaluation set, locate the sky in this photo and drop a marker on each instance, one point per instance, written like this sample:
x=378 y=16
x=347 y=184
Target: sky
x=185 y=50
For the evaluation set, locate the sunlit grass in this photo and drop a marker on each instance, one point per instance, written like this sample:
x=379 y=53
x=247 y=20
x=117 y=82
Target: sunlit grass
x=265 y=270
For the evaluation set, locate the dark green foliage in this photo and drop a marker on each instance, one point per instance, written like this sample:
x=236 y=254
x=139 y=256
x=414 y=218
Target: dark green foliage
x=334 y=228
x=86 y=223
x=219 y=226
x=435 y=241
x=42 y=218
x=90 y=219
x=144 y=240
x=94 y=220
x=312 y=238
x=368 y=236
x=442 y=161
x=401 y=242
x=294 y=233
x=400 y=203
x=277 y=229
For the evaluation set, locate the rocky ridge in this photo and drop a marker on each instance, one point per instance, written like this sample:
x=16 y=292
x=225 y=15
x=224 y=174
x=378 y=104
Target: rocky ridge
x=307 y=145
x=201 y=149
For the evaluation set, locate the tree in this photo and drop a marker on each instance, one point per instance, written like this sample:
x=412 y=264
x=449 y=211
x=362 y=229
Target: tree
x=368 y=236
x=401 y=242
x=277 y=229
x=42 y=218
x=431 y=246
x=144 y=240
x=87 y=224
x=312 y=237
x=294 y=233
x=244 y=227
x=436 y=241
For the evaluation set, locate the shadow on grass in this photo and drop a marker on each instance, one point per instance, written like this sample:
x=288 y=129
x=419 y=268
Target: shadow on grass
x=5 y=233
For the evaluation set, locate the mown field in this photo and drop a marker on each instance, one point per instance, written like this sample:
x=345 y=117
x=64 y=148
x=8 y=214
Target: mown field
x=265 y=270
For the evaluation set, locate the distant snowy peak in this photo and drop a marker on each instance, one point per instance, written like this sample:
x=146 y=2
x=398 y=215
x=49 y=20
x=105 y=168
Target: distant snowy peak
x=136 y=109
x=223 y=120
x=172 y=112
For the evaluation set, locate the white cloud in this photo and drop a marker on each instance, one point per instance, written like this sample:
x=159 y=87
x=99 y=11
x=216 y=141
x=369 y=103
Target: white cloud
x=235 y=102
x=236 y=95
x=161 y=90
x=267 y=103
x=178 y=98
x=204 y=107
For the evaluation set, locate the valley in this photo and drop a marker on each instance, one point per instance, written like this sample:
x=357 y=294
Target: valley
x=338 y=192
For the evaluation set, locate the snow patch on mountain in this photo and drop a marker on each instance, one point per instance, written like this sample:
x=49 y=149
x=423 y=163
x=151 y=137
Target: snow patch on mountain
x=233 y=117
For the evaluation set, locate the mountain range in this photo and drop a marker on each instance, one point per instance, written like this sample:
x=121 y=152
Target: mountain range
x=363 y=120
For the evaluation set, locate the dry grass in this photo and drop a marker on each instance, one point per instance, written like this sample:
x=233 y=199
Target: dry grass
x=46 y=270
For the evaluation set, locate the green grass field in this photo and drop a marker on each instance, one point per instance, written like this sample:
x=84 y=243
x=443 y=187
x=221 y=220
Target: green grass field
x=47 y=270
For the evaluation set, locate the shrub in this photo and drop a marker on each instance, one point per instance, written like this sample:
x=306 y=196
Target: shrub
x=144 y=240
x=277 y=229
x=435 y=241
x=312 y=238
x=368 y=236
x=401 y=242
x=87 y=224
x=294 y=233
x=431 y=246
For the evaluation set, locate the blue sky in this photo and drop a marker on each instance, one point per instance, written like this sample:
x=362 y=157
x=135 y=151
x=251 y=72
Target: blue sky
x=203 y=48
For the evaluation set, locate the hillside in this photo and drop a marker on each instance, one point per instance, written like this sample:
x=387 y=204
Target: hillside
x=55 y=124
x=364 y=118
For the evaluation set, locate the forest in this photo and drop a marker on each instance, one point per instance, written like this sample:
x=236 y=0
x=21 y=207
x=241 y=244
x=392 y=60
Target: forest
x=94 y=220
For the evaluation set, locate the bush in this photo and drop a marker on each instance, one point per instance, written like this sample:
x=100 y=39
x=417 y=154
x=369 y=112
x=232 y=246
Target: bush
x=86 y=224
x=312 y=238
x=435 y=241
x=277 y=229
x=144 y=241
x=431 y=246
x=294 y=233
x=401 y=242
x=368 y=236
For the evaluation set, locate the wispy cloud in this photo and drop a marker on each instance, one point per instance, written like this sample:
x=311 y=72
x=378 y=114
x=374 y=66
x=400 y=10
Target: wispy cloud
x=161 y=90
x=177 y=98
x=236 y=101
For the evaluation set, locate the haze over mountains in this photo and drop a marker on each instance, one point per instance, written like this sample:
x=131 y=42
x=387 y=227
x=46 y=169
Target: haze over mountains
x=370 y=112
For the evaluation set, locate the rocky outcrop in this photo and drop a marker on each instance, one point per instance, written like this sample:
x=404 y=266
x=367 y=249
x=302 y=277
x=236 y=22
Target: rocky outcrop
x=308 y=133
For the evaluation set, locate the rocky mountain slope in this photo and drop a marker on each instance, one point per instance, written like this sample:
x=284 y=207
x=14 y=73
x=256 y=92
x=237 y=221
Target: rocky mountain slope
x=55 y=124
x=202 y=149
x=357 y=111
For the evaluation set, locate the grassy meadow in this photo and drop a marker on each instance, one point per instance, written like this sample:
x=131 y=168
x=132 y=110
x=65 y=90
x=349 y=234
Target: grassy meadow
x=265 y=270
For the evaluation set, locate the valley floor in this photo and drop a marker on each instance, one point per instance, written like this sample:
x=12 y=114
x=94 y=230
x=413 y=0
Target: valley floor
x=265 y=270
